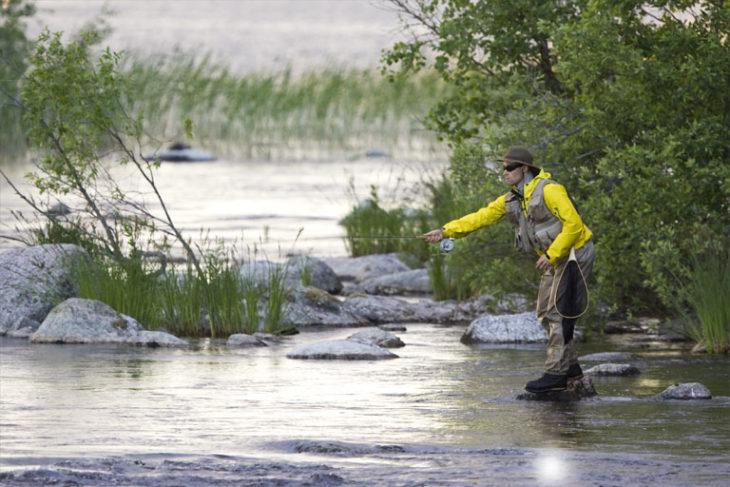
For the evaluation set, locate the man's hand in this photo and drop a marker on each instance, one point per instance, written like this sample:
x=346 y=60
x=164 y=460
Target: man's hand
x=543 y=263
x=433 y=236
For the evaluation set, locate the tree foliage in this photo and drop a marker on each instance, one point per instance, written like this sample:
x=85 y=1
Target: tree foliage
x=627 y=103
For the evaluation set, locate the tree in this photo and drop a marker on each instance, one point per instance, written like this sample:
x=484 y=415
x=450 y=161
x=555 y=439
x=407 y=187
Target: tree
x=625 y=102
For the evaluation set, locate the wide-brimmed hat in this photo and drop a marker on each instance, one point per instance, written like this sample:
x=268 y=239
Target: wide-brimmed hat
x=520 y=155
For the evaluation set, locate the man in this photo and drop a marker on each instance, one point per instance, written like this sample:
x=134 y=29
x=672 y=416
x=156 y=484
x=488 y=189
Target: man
x=546 y=222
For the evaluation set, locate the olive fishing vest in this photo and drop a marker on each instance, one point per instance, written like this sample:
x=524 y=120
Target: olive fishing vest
x=537 y=229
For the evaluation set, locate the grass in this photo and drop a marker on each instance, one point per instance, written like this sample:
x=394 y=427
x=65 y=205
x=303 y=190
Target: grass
x=282 y=114
x=709 y=294
x=221 y=303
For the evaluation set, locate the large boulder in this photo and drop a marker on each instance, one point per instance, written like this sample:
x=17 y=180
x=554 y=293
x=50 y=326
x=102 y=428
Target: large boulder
x=33 y=279
x=366 y=267
x=304 y=271
x=616 y=370
x=260 y=272
x=23 y=328
x=399 y=283
x=341 y=350
x=686 y=391
x=577 y=389
x=316 y=307
x=378 y=337
x=88 y=321
x=519 y=328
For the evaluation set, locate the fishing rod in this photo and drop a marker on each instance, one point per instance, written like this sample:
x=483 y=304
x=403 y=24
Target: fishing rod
x=446 y=245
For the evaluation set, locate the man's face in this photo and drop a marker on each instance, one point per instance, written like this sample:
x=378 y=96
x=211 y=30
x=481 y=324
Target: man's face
x=513 y=172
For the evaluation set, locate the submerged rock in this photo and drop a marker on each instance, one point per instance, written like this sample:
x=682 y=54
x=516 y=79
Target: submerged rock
x=399 y=283
x=618 y=370
x=393 y=327
x=685 y=391
x=378 y=337
x=519 y=328
x=605 y=357
x=87 y=321
x=340 y=350
x=243 y=340
x=366 y=267
x=33 y=279
x=577 y=390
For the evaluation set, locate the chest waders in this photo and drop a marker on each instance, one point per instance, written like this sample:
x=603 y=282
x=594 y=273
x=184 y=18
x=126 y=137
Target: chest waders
x=563 y=295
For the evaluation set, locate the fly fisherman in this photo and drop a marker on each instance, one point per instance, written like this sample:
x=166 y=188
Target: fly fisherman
x=546 y=222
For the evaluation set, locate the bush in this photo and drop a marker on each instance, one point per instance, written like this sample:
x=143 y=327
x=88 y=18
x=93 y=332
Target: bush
x=708 y=290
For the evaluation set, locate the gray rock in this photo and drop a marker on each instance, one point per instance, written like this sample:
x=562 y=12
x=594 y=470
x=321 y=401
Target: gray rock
x=243 y=340
x=304 y=271
x=88 y=321
x=23 y=328
x=622 y=326
x=260 y=272
x=393 y=327
x=618 y=370
x=577 y=390
x=514 y=303
x=314 y=307
x=340 y=350
x=686 y=391
x=606 y=357
x=33 y=279
x=366 y=267
x=378 y=337
x=519 y=328
x=399 y=283
x=59 y=209
x=383 y=309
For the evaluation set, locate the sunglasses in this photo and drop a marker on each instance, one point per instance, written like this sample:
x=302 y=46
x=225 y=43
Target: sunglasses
x=511 y=166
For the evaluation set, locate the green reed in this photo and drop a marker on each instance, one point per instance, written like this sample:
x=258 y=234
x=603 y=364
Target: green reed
x=708 y=290
x=270 y=114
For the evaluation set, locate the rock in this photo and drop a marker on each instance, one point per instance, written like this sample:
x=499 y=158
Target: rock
x=519 y=328
x=378 y=337
x=686 y=391
x=577 y=390
x=366 y=267
x=243 y=340
x=23 y=328
x=87 y=321
x=399 y=283
x=340 y=350
x=699 y=348
x=605 y=357
x=304 y=271
x=514 y=303
x=313 y=307
x=622 y=326
x=260 y=272
x=383 y=309
x=392 y=327
x=59 y=209
x=618 y=370
x=33 y=279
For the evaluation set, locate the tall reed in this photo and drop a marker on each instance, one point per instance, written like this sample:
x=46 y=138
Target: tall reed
x=270 y=114
x=709 y=295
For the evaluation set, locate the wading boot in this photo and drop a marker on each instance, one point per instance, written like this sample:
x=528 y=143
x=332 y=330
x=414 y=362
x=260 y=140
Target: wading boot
x=575 y=372
x=547 y=383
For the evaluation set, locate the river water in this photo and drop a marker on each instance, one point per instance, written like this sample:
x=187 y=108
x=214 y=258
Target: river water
x=443 y=413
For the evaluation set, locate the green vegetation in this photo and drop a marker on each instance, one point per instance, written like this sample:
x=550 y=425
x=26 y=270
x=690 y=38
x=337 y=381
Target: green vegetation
x=708 y=291
x=284 y=114
x=622 y=102
x=180 y=301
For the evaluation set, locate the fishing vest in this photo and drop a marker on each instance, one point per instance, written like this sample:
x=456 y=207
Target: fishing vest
x=537 y=229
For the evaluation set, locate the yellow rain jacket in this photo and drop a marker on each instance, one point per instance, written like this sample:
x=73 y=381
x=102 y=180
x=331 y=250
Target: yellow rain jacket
x=574 y=232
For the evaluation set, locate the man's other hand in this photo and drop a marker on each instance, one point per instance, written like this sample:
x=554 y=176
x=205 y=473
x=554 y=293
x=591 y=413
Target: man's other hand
x=543 y=263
